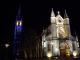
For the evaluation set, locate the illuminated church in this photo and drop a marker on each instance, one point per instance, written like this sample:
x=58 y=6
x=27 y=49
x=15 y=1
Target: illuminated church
x=57 y=39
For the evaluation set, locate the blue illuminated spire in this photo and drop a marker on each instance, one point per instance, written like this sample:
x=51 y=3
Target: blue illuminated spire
x=19 y=13
x=17 y=33
x=19 y=10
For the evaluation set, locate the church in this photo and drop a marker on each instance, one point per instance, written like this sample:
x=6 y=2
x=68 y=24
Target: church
x=57 y=39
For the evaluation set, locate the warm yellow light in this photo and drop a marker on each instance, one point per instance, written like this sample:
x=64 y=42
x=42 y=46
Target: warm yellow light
x=49 y=54
x=6 y=45
x=74 y=53
x=20 y=23
x=17 y=23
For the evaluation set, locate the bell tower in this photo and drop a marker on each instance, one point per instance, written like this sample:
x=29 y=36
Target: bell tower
x=17 y=34
x=53 y=24
x=67 y=24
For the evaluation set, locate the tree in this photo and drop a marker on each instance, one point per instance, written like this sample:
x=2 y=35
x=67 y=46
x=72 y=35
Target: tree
x=29 y=41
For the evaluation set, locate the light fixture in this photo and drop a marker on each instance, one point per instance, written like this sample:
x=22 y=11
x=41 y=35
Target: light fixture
x=6 y=45
x=74 y=53
x=20 y=23
x=17 y=23
x=49 y=54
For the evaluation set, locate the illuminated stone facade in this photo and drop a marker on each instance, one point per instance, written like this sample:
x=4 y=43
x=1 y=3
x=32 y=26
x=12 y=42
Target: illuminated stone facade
x=57 y=39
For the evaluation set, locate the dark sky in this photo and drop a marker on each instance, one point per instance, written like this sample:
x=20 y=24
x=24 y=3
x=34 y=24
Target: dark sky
x=36 y=14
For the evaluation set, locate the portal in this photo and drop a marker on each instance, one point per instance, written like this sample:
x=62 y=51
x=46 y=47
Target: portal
x=64 y=49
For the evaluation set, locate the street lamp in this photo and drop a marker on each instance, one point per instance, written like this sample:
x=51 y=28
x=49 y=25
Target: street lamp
x=6 y=45
x=49 y=55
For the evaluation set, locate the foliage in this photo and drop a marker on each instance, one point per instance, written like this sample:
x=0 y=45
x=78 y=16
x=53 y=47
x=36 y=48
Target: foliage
x=29 y=39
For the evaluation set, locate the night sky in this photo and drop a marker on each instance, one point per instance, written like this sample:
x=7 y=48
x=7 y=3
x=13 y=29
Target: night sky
x=35 y=14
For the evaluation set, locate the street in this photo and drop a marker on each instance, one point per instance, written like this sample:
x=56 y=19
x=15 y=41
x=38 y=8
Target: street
x=54 y=58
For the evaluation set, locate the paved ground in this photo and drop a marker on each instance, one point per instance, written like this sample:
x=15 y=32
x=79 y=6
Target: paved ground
x=60 y=59
x=55 y=58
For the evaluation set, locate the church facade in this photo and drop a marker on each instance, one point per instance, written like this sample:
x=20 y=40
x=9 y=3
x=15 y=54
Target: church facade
x=57 y=39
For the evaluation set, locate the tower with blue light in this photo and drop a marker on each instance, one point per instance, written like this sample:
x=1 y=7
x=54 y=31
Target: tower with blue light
x=17 y=34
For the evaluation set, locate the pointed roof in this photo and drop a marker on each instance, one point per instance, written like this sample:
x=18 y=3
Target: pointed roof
x=76 y=36
x=65 y=14
x=59 y=16
x=19 y=10
x=43 y=29
x=75 y=33
x=52 y=13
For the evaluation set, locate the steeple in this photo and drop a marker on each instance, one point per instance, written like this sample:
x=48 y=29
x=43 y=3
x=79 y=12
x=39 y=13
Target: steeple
x=43 y=29
x=18 y=17
x=52 y=13
x=65 y=14
x=19 y=10
x=76 y=36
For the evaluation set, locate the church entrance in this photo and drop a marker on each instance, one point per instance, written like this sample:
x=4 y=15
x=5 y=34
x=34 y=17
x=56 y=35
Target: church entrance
x=64 y=49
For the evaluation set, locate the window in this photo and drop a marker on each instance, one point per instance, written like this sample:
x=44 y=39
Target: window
x=18 y=23
x=49 y=47
x=44 y=44
x=59 y=20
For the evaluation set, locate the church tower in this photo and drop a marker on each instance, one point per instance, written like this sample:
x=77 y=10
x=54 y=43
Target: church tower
x=57 y=39
x=17 y=34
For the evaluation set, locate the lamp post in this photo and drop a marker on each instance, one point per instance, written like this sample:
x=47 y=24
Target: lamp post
x=6 y=45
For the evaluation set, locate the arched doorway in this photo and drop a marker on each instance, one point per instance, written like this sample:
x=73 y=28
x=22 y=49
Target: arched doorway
x=64 y=49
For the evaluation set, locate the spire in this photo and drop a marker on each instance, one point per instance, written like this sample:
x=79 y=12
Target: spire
x=58 y=12
x=52 y=13
x=76 y=36
x=43 y=29
x=65 y=15
x=75 y=33
x=19 y=10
